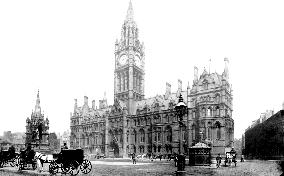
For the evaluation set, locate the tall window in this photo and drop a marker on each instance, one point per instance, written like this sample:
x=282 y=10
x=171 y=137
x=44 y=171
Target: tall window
x=193 y=132
x=149 y=136
x=209 y=112
x=203 y=112
x=127 y=136
x=159 y=148
x=209 y=136
x=217 y=99
x=217 y=111
x=142 y=136
x=169 y=134
x=121 y=136
x=135 y=136
x=218 y=130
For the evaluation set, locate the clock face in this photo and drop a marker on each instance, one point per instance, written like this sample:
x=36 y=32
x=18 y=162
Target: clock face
x=137 y=61
x=123 y=60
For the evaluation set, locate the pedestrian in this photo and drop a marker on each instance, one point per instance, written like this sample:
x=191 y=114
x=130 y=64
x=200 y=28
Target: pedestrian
x=133 y=158
x=242 y=158
x=175 y=160
x=234 y=159
x=226 y=160
x=151 y=156
x=218 y=159
x=65 y=146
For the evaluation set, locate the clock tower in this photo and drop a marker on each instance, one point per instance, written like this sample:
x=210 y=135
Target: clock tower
x=129 y=64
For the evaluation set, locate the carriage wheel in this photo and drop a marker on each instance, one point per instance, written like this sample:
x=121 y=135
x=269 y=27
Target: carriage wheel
x=21 y=164
x=17 y=160
x=65 y=167
x=13 y=162
x=53 y=168
x=34 y=166
x=86 y=166
x=74 y=168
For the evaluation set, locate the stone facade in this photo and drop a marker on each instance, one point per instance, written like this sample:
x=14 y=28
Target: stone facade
x=210 y=110
x=150 y=125
x=37 y=128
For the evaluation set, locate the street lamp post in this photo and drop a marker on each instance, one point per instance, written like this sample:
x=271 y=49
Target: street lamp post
x=180 y=111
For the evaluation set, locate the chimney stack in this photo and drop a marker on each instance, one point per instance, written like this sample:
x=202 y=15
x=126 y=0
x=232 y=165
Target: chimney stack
x=195 y=73
x=168 y=90
x=179 y=87
x=226 y=60
x=75 y=105
x=85 y=100
x=94 y=104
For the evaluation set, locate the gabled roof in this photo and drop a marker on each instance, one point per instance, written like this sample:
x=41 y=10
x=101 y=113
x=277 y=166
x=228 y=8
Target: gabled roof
x=161 y=100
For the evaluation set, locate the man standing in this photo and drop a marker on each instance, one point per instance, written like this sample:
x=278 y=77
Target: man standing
x=65 y=146
x=218 y=159
x=134 y=158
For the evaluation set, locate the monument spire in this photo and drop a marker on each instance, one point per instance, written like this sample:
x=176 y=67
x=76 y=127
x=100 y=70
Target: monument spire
x=37 y=106
x=129 y=16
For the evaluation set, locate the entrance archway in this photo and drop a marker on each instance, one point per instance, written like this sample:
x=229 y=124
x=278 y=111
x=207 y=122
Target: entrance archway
x=115 y=148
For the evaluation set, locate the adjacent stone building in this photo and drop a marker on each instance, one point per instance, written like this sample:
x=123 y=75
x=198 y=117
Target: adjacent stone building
x=265 y=140
x=150 y=125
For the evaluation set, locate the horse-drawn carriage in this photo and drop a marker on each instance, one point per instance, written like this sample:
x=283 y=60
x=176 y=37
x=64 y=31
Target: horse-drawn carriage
x=231 y=157
x=71 y=162
x=8 y=157
x=27 y=157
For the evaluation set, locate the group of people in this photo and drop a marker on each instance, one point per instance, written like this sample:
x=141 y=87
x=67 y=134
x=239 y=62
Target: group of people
x=229 y=158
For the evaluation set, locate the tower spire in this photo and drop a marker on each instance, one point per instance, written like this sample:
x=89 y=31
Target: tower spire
x=129 y=16
x=226 y=70
x=37 y=106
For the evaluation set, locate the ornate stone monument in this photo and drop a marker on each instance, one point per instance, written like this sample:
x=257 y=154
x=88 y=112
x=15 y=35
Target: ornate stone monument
x=37 y=129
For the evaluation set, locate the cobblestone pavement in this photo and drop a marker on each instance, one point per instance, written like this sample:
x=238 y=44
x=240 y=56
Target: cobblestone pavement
x=163 y=168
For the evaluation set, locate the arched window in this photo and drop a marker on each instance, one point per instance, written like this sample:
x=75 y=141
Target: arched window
x=226 y=112
x=135 y=136
x=149 y=136
x=121 y=135
x=193 y=132
x=159 y=134
x=209 y=135
x=218 y=130
x=217 y=98
x=127 y=136
x=127 y=149
x=159 y=148
x=217 y=111
x=169 y=134
x=142 y=135
x=203 y=112
x=209 y=112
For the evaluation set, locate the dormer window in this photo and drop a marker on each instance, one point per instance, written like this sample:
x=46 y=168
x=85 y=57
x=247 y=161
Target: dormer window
x=205 y=85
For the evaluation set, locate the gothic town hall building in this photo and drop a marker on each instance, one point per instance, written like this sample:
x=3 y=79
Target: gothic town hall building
x=149 y=125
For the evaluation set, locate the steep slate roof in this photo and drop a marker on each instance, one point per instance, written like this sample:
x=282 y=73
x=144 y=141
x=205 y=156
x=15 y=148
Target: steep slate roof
x=161 y=100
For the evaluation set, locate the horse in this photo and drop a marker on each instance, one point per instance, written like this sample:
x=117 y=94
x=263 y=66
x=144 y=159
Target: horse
x=42 y=158
x=141 y=156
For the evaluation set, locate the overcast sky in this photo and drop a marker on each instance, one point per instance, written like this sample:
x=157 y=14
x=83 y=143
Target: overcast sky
x=66 y=50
